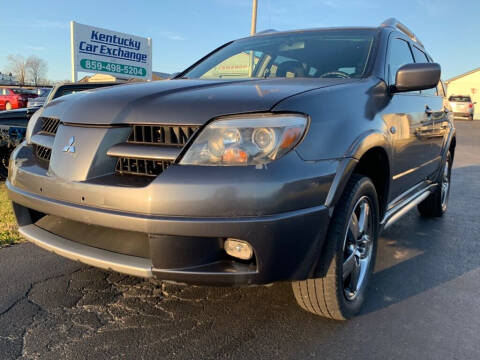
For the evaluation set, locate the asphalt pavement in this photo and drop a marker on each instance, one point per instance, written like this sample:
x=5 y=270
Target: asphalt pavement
x=424 y=302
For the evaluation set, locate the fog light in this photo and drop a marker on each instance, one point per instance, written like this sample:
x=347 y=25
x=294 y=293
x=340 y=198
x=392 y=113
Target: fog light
x=238 y=248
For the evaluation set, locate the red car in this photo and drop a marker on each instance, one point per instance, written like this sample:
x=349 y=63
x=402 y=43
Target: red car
x=14 y=98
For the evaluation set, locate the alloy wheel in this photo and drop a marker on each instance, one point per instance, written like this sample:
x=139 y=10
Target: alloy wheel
x=357 y=248
x=445 y=186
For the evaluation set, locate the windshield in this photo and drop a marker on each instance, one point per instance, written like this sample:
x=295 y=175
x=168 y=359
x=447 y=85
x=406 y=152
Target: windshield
x=43 y=92
x=310 y=54
x=460 y=98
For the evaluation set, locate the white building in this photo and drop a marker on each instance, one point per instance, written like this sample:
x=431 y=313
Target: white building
x=7 y=79
x=466 y=84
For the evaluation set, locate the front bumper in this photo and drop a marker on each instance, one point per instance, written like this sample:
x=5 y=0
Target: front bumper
x=286 y=246
x=184 y=242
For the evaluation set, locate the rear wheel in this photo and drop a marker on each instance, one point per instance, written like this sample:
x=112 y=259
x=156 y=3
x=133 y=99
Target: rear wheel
x=436 y=204
x=8 y=106
x=348 y=256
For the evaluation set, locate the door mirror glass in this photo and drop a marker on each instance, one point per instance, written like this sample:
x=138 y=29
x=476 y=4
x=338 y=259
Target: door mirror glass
x=412 y=77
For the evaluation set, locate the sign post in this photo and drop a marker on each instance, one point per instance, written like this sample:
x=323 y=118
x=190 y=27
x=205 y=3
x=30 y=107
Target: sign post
x=97 y=50
x=72 y=51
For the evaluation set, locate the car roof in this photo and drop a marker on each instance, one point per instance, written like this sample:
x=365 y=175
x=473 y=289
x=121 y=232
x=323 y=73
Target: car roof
x=273 y=32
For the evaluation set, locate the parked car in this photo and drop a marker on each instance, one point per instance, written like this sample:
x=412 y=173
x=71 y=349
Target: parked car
x=13 y=124
x=14 y=98
x=288 y=173
x=462 y=106
x=42 y=94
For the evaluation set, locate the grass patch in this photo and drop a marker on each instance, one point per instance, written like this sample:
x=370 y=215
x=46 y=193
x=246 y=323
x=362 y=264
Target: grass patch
x=8 y=224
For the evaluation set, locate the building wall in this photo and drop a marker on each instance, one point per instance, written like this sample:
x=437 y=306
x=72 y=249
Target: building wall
x=467 y=85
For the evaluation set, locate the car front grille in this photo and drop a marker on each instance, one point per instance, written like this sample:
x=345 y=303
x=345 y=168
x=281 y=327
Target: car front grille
x=49 y=126
x=161 y=134
x=131 y=166
x=42 y=153
x=173 y=136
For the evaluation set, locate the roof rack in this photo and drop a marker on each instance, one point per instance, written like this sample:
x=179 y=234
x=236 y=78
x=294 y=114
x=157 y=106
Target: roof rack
x=268 y=31
x=392 y=22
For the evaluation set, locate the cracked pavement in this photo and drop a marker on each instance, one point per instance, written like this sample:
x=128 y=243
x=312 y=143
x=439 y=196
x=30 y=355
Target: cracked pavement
x=423 y=303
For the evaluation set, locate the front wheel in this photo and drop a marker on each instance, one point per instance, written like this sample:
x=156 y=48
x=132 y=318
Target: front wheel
x=348 y=256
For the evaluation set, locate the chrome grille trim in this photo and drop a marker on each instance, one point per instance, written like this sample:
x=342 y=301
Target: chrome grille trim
x=143 y=151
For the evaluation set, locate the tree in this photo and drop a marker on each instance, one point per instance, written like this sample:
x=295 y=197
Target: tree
x=17 y=65
x=37 y=68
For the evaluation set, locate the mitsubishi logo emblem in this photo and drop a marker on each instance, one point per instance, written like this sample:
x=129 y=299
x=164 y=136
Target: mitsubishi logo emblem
x=70 y=147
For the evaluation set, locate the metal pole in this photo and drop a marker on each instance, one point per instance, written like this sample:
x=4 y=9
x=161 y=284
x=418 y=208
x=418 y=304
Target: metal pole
x=253 y=28
x=72 y=51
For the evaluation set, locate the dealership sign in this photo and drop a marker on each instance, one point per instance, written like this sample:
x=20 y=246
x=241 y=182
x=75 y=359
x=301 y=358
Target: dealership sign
x=98 y=50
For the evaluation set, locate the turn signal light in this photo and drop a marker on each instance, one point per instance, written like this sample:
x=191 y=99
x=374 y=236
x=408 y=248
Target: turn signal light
x=238 y=248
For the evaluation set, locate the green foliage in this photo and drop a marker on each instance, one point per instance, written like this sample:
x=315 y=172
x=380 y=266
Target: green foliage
x=8 y=225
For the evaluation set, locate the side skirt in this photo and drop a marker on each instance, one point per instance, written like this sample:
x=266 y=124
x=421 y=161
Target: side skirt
x=395 y=213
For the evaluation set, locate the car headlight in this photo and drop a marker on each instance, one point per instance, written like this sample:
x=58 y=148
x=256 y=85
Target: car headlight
x=33 y=125
x=246 y=140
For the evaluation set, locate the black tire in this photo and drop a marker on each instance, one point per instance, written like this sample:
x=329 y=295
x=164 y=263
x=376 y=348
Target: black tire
x=436 y=204
x=8 y=106
x=4 y=156
x=327 y=295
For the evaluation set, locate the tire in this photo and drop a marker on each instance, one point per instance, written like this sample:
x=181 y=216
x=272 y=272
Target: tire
x=8 y=106
x=332 y=295
x=436 y=204
x=4 y=156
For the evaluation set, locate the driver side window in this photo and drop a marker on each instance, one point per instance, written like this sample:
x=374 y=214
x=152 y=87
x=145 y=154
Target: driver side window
x=399 y=55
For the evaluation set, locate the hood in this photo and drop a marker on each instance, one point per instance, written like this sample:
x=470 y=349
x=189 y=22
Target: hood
x=188 y=102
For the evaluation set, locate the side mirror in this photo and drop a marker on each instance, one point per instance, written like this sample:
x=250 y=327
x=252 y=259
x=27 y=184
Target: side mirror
x=412 y=77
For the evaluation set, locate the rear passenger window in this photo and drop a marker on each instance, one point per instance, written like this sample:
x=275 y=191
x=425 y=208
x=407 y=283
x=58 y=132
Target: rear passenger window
x=399 y=55
x=421 y=57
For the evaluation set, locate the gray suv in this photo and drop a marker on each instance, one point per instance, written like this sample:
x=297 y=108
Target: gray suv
x=462 y=106
x=277 y=157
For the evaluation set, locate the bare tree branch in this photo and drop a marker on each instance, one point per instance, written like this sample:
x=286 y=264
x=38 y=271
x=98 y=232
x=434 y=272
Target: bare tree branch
x=18 y=66
x=37 y=68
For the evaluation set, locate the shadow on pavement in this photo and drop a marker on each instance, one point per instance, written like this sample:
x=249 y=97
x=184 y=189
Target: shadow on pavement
x=418 y=254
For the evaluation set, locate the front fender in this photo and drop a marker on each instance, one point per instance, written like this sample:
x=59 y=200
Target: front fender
x=367 y=141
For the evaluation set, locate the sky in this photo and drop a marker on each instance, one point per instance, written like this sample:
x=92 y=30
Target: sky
x=183 y=31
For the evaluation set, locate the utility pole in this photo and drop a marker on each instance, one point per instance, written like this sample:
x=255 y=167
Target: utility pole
x=253 y=29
